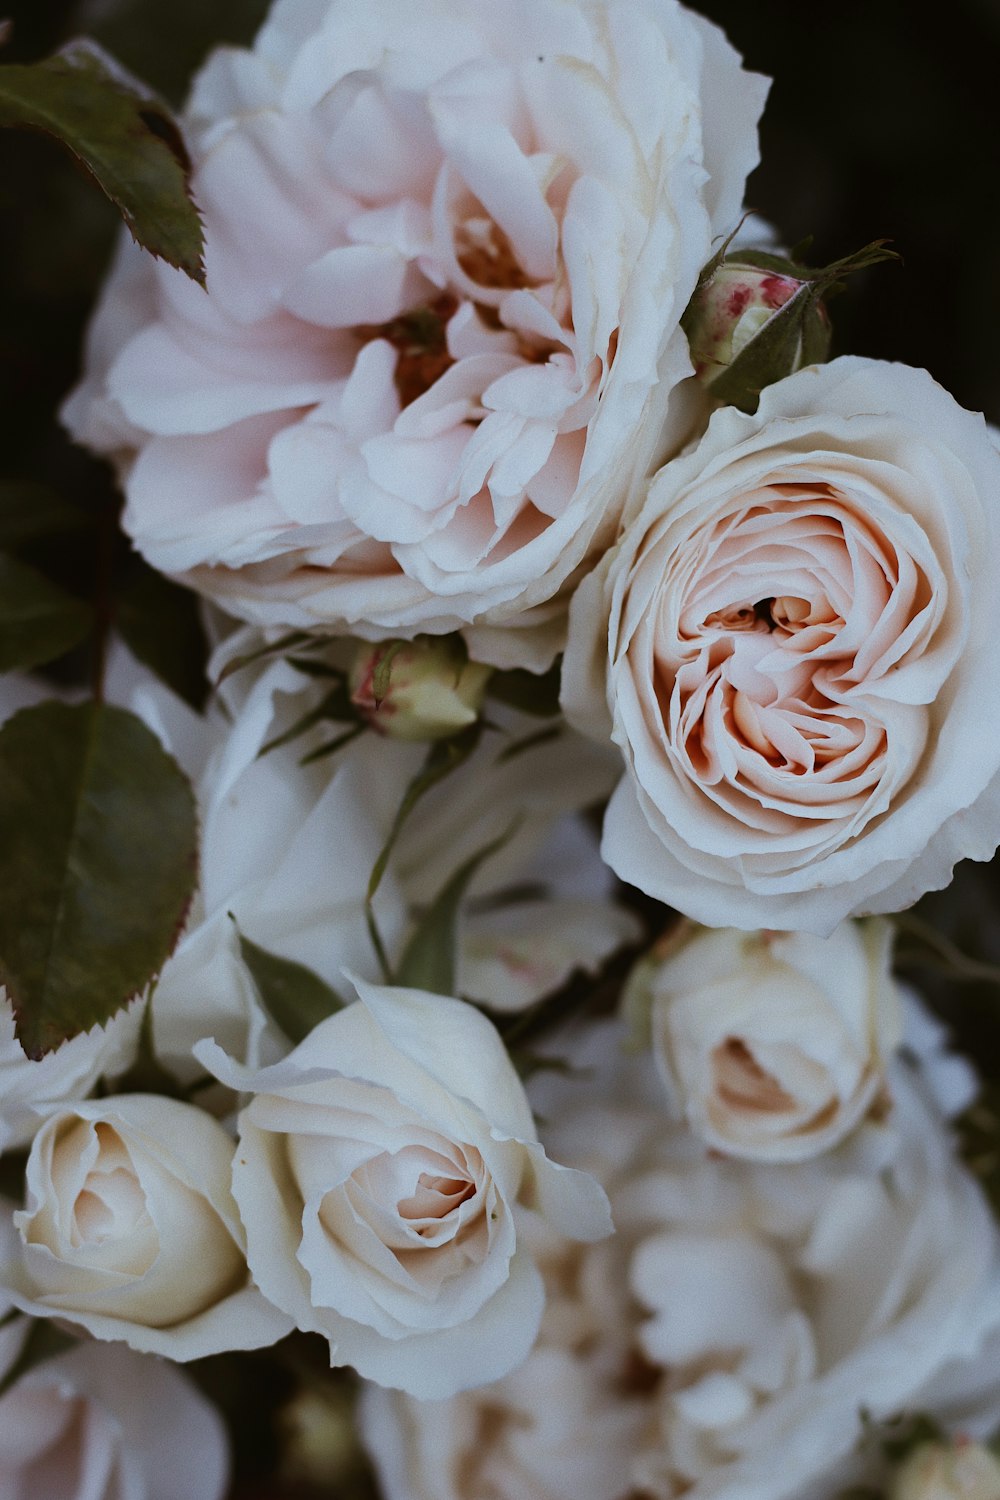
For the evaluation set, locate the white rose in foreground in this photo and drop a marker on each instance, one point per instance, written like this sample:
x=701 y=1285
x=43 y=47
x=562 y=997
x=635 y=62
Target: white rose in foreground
x=939 y=1471
x=741 y=1311
x=773 y=1045
x=448 y=249
x=379 y=1172
x=102 y=1423
x=130 y=1231
x=795 y=640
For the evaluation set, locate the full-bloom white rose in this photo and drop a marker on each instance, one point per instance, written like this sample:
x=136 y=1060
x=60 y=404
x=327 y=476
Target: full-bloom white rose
x=727 y=1339
x=287 y=850
x=102 y=1423
x=773 y=1045
x=379 y=1174
x=448 y=249
x=130 y=1231
x=552 y=1430
x=795 y=641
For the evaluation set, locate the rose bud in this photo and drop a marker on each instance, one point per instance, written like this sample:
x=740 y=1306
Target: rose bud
x=756 y=318
x=772 y=1045
x=130 y=1231
x=962 y=1470
x=426 y=689
x=734 y=306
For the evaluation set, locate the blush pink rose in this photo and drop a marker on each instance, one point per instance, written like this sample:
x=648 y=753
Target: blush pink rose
x=794 y=646
x=448 y=249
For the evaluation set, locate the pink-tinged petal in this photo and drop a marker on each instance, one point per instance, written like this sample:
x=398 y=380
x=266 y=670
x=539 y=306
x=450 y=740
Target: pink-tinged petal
x=270 y=208
x=355 y=284
x=497 y=172
x=379 y=146
x=176 y=482
x=369 y=403
x=305 y=461
x=420 y=472
x=166 y=390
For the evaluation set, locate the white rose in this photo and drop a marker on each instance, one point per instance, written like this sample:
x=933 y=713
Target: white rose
x=102 y=1423
x=552 y=1430
x=130 y=1231
x=795 y=640
x=379 y=1172
x=758 y=1309
x=774 y=1045
x=287 y=849
x=448 y=249
x=939 y=1471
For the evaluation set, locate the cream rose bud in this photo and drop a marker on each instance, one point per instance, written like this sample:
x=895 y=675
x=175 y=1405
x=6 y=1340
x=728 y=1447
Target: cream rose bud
x=102 y=1423
x=773 y=1045
x=448 y=249
x=432 y=689
x=794 y=646
x=130 y=1231
x=379 y=1173
x=947 y=1471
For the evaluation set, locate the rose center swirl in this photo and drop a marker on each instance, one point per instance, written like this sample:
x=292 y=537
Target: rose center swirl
x=772 y=625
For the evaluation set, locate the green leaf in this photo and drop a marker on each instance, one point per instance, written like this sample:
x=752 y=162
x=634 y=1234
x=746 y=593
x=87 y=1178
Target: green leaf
x=98 y=864
x=292 y=994
x=429 y=960
x=531 y=692
x=124 y=137
x=161 y=624
x=38 y=620
x=32 y=513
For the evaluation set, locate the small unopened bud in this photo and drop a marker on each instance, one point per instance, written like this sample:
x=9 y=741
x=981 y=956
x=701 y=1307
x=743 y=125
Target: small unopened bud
x=733 y=307
x=961 y=1470
x=425 y=689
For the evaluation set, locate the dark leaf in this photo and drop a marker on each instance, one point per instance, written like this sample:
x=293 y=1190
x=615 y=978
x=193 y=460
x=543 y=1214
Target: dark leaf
x=32 y=513
x=123 y=136
x=294 y=996
x=161 y=624
x=98 y=864
x=429 y=960
x=38 y=620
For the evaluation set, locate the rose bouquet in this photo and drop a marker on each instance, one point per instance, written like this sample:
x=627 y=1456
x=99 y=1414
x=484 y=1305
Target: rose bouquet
x=487 y=1006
